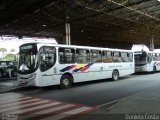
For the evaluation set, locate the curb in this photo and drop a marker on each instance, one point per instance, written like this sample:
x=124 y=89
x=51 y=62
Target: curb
x=13 y=78
x=9 y=89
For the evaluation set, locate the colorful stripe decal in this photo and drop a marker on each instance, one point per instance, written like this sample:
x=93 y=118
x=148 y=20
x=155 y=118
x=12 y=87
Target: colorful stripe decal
x=157 y=63
x=84 y=69
x=68 y=68
x=76 y=70
x=80 y=67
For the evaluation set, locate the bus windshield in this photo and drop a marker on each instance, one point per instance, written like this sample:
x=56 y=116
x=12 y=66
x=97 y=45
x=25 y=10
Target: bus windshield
x=140 y=59
x=28 y=59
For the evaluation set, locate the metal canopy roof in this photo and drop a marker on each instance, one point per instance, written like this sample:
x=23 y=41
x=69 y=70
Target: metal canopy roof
x=106 y=23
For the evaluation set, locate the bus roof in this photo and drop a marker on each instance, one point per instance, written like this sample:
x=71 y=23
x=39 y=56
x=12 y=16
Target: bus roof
x=85 y=47
x=140 y=47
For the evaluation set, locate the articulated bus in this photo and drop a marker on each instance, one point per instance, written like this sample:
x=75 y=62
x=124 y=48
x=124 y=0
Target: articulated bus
x=146 y=60
x=43 y=64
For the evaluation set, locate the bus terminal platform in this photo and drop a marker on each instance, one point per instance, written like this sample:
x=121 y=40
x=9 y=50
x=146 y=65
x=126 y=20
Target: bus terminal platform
x=141 y=106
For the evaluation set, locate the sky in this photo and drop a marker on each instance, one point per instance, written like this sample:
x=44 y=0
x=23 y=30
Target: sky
x=14 y=42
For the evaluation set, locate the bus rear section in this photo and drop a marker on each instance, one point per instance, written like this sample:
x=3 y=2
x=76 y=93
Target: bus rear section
x=147 y=61
x=142 y=61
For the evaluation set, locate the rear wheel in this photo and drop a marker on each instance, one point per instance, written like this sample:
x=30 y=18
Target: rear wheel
x=115 y=75
x=65 y=82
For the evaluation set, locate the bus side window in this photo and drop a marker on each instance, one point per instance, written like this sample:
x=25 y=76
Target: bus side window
x=107 y=57
x=116 y=57
x=61 y=57
x=82 y=56
x=158 y=57
x=154 y=57
x=66 y=55
x=149 y=58
x=96 y=56
x=47 y=57
x=124 y=57
x=130 y=57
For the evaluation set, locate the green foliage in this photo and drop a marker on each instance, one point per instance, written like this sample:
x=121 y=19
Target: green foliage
x=10 y=57
x=3 y=50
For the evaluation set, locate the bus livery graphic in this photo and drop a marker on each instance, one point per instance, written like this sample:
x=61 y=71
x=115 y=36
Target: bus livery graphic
x=80 y=67
x=157 y=63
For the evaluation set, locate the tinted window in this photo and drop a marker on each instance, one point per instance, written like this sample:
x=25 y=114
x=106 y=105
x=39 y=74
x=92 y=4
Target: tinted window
x=107 y=56
x=116 y=57
x=154 y=57
x=96 y=56
x=124 y=57
x=149 y=57
x=82 y=56
x=158 y=57
x=66 y=55
x=130 y=57
x=47 y=57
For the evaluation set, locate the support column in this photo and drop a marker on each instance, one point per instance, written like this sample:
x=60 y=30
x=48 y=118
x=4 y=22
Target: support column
x=152 y=43
x=67 y=34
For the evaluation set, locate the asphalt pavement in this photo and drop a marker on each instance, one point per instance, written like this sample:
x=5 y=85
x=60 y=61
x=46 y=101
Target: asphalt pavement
x=135 y=96
x=96 y=93
x=141 y=106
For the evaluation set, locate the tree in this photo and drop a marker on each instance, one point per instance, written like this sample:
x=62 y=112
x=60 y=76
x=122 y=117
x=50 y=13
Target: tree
x=10 y=57
x=12 y=50
x=3 y=50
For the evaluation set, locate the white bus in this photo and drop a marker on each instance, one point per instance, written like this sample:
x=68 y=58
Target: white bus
x=146 y=60
x=50 y=64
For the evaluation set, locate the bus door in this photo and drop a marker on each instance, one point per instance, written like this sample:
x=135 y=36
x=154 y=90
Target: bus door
x=47 y=62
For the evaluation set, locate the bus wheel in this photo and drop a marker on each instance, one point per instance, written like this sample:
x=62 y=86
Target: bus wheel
x=154 y=69
x=65 y=82
x=115 y=75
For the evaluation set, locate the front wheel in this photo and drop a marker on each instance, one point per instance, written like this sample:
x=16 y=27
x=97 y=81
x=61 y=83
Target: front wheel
x=115 y=75
x=65 y=82
x=154 y=69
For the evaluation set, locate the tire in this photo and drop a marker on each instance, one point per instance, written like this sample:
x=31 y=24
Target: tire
x=115 y=75
x=154 y=69
x=65 y=82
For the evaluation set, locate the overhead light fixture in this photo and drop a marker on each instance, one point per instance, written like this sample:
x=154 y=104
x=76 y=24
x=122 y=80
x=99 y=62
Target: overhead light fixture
x=82 y=30
x=44 y=25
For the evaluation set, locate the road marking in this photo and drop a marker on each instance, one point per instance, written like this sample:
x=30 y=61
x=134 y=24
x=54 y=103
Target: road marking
x=13 y=100
x=18 y=103
x=15 y=107
x=6 y=94
x=45 y=112
x=2 y=98
x=68 y=113
x=28 y=107
x=30 y=110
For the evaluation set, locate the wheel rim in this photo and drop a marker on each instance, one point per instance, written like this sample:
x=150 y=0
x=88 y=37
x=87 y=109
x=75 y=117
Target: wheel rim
x=154 y=69
x=115 y=75
x=66 y=82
